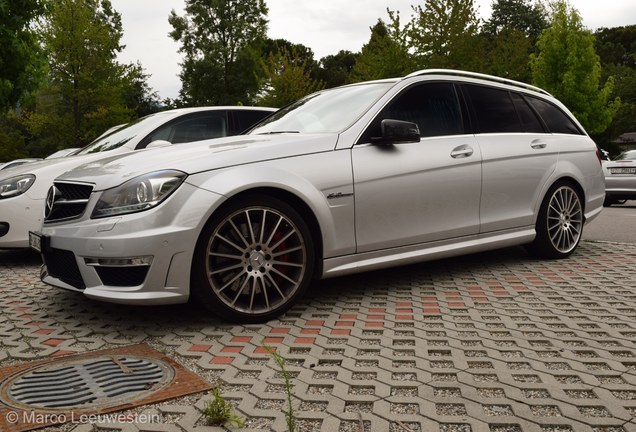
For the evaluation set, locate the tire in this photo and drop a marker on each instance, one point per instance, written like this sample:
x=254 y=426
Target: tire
x=244 y=273
x=559 y=224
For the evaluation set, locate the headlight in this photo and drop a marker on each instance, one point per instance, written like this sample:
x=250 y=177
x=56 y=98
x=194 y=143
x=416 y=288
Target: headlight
x=139 y=194
x=15 y=186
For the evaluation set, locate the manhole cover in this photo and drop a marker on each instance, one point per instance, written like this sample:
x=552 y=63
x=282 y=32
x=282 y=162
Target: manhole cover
x=52 y=391
x=99 y=381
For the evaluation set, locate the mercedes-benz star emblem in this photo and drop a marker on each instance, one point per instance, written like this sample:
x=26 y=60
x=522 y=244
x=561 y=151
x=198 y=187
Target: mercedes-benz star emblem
x=52 y=195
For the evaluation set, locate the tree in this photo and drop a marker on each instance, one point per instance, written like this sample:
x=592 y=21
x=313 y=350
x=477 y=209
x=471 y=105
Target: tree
x=138 y=96
x=510 y=37
x=335 y=69
x=21 y=59
x=443 y=34
x=617 y=46
x=531 y=20
x=568 y=67
x=219 y=39
x=385 y=55
x=84 y=92
x=286 y=79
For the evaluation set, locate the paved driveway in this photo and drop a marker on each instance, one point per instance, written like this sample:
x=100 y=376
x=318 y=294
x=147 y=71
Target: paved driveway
x=489 y=342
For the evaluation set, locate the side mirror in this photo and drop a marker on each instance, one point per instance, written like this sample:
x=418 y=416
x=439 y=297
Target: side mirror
x=398 y=131
x=158 y=144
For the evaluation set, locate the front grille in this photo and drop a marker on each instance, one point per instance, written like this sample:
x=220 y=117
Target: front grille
x=122 y=276
x=66 y=201
x=61 y=264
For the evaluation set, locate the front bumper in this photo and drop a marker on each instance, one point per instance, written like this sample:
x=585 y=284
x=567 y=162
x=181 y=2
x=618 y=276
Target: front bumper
x=18 y=216
x=141 y=258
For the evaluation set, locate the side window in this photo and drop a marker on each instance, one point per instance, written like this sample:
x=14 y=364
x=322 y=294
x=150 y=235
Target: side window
x=434 y=107
x=494 y=110
x=245 y=119
x=192 y=128
x=557 y=120
x=529 y=119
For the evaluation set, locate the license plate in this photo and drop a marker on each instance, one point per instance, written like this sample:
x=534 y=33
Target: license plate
x=35 y=241
x=625 y=170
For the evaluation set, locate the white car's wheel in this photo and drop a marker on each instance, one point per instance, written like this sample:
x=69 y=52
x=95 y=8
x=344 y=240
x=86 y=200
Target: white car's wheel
x=560 y=222
x=253 y=260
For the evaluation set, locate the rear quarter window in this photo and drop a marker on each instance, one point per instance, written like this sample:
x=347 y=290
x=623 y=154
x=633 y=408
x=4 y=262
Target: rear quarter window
x=556 y=120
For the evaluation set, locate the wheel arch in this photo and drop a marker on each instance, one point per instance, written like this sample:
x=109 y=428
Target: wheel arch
x=293 y=200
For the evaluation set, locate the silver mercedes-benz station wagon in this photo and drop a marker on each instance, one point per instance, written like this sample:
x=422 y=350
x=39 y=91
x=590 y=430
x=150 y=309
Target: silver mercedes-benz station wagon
x=349 y=179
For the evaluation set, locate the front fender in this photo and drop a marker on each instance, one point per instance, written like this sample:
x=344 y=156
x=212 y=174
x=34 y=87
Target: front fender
x=323 y=181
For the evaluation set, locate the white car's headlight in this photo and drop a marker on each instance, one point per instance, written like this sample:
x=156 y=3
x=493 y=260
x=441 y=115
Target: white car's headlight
x=15 y=186
x=139 y=194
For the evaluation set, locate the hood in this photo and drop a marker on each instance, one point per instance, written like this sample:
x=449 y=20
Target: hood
x=56 y=166
x=199 y=156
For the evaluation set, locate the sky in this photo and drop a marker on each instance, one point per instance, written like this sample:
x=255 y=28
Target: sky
x=325 y=26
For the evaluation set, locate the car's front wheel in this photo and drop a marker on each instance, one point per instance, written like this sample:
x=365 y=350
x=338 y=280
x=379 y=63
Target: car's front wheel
x=560 y=222
x=253 y=260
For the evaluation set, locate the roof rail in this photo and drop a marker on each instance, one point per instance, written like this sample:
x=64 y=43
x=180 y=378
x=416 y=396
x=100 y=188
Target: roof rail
x=478 y=75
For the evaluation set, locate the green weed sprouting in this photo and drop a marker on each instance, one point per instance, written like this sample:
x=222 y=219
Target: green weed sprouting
x=218 y=411
x=289 y=414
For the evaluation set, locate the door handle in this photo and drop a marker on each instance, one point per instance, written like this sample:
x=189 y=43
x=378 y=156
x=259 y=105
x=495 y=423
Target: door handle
x=538 y=145
x=461 y=152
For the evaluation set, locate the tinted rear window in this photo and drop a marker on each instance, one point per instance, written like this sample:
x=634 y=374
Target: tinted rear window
x=494 y=110
x=529 y=119
x=556 y=120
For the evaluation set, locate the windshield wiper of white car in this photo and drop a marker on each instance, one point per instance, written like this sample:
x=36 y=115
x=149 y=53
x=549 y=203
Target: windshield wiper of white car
x=277 y=132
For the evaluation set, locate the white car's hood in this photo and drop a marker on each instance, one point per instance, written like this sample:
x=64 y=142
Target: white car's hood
x=199 y=156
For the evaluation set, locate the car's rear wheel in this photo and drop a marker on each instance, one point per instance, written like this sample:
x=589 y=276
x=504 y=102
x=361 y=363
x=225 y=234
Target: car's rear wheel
x=560 y=222
x=253 y=260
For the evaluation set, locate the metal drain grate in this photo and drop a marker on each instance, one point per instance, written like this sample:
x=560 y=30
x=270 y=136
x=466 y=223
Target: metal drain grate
x=98 y=381
x=52 y=391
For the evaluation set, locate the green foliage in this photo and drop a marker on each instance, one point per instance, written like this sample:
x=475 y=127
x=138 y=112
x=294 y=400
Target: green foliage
x=21 y=60
x=335 y=69
x=508 y=55
x=218 y=411
x=289 y=414
x=568 y=67
x=617 y=46
x=83 y=95
x=443 y=35
x=219 y=40
x=12 y=143
x=385 y=55
x=520 y=15
x=286 y=78
x=138 y=96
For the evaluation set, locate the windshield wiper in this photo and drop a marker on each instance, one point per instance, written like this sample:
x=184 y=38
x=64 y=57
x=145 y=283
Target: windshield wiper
x=277 y=132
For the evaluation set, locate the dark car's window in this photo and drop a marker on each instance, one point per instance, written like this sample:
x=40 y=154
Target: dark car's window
x=434 y=107
x=245 y=119
x=192 y=128
x=556 y=120
x=494 y=110
x=529 y=119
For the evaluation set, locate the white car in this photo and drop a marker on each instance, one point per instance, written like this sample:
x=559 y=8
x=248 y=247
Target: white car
x=17 y=162
x=349 y=179
x=23 y=189
x=620 y=178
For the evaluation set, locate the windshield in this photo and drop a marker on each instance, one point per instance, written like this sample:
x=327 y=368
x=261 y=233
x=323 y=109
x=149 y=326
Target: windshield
x=124 y=134
x=329 y=111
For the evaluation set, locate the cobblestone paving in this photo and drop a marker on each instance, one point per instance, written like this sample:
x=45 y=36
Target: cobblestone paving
x=491 y=342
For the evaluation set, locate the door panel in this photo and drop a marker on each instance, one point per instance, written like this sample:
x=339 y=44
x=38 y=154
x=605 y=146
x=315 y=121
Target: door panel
x=417 y=192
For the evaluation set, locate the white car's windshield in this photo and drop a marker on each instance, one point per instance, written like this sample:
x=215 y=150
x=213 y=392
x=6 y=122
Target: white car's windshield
x=124 y=134
x=329 y=111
